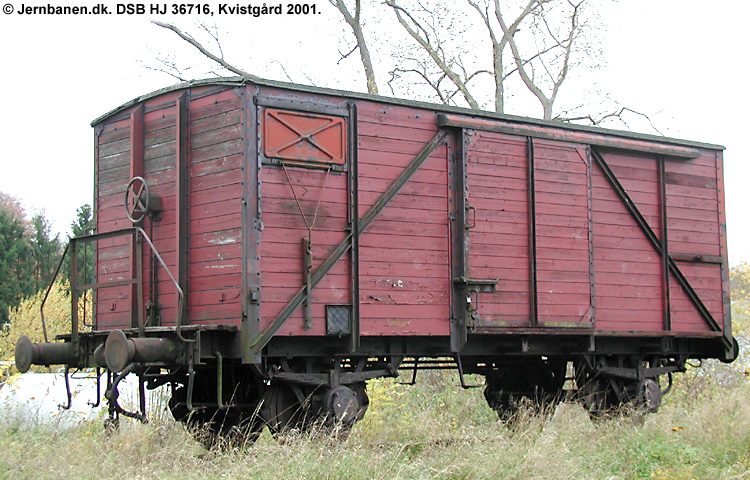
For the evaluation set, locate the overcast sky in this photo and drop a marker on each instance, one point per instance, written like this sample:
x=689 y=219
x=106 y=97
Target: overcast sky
x=680 y=61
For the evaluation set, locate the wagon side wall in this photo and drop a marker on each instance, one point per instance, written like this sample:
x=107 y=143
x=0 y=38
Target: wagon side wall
x=193 y=135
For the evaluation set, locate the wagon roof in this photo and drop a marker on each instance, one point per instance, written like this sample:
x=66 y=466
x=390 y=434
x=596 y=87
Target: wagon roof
x=239 y=81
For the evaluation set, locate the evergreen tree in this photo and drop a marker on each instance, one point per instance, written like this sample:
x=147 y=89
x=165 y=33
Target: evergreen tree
x=45 y=251
x=83 y=225
x=15 y=263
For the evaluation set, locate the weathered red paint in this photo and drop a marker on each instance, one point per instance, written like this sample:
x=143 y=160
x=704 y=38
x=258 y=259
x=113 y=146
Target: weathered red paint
x=593 y=266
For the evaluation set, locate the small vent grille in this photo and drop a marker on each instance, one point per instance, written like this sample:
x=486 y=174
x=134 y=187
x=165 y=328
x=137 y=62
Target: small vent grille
x=338 y=319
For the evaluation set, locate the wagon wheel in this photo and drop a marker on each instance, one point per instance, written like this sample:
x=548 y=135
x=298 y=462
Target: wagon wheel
x=343 y=406
x=282 y=411
x=213 y=426
x=137 y=199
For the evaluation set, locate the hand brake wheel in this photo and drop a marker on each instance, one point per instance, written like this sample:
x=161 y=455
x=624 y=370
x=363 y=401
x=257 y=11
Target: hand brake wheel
x=137 y=199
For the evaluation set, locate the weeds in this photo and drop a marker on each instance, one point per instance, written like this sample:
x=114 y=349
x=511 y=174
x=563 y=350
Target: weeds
x=430 y=431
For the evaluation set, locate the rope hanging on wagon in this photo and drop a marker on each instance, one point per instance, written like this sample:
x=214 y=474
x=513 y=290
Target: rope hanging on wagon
x=309 y=226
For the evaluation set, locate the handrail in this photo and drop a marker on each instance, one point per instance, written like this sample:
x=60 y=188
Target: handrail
x=49 y=289
x=114 y=233
x=180 y=293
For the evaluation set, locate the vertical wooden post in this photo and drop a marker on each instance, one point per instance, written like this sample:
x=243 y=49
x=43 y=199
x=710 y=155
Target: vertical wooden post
x=458 y=197
x=354 y=320
x=182 y=182
x=74 y=294
x=136 y=170
x=662 y=180
x=531 y=186
x=136 y=142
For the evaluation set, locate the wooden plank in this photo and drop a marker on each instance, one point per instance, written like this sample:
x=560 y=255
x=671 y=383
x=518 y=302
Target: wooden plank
x=215 y=282
x=387 y=173
x=691 y=180
x=495 y=162
x=214 y=223
x=200 y=113
x=627 y=292
x=220 y=120
x=578 y=266
x=392 y=131
x=692 y=192
x=225 y=179
x=230 y=193
x=691 y=168
x=222 y=237
x=206 y=98
x=116 y=161
x=114 y=148
x=218 y=150
x=378 y=113
x=214 y=137
x=295 y=221
x=687 y=237
x=113 y=135
x=632 y=279
x=215 y=166
x=381 y=146
x=395 y=159
x=403 y=256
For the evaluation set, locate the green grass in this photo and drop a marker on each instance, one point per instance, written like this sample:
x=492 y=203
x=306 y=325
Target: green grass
x=431 y=431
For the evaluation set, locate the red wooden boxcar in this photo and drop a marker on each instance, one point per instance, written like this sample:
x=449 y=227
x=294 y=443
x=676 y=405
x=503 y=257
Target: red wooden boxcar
x=266 y=248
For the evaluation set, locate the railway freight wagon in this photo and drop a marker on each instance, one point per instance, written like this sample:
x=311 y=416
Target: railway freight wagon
x=267 y=248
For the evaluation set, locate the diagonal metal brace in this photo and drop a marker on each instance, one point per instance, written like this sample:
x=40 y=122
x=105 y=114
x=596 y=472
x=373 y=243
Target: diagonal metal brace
x=656 y=243
x=261 y=341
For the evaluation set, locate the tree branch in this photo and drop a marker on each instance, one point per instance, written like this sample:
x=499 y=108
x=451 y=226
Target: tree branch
x=202 y=49
x=355 y=24
x=435 y=53
x=618 y=114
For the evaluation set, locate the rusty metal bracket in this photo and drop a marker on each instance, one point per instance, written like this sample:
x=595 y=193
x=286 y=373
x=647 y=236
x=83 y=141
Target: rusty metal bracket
x=473 y=223
x=98 y=389
x=460 y=366
x=306 y=306
x=67 y=391
x=414 y=374
x=112 y=394
x=531 y=198
x=475 y=286
x=220 y=382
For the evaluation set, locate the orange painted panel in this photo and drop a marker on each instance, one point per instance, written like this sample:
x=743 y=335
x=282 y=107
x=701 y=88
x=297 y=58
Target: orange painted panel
x=304 y=137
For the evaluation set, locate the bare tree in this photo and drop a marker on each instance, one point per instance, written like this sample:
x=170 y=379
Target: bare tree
x=499 y=43
x=430 y=36
x=534 y=46
x=553 y=40
x=356 y=24
x=556 y=40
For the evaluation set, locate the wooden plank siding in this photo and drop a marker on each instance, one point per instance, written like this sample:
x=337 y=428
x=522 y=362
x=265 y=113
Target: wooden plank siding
x=497 y=187
x=562 y=245
x=113 y=304
x=215 y=208
x=594 y=267
x=215 y=191
x=323 y=205
x=405 y=254
x=627 y=269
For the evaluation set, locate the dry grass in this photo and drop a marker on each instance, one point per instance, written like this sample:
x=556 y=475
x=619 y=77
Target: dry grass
x=431 y=431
